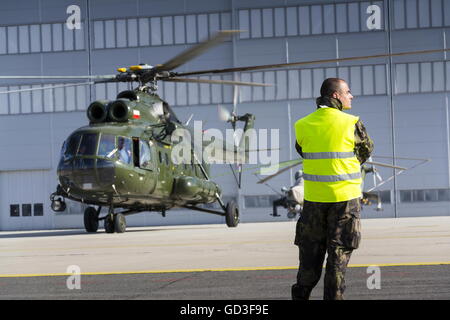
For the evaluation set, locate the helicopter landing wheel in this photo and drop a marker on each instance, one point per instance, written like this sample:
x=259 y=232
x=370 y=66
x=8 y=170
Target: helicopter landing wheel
x=91 y=219
x=232 y=214
x=120 y=224
x=109 y=223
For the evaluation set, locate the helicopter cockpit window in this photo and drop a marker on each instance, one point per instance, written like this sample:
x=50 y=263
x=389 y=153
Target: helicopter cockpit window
x=145 y=155
x=63 y=149
x=71 y=146
x=124 y=149
x=169 y=114
x=107 y=146
x=88 y=144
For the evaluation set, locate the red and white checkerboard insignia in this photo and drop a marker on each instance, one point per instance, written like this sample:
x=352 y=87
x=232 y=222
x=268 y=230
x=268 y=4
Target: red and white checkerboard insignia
x=136 y=114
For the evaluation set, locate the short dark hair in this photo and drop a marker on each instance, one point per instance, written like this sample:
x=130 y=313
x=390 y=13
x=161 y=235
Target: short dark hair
x=329 y=86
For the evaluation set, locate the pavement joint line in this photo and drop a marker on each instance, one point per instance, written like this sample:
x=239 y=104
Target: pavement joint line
x=214 y=270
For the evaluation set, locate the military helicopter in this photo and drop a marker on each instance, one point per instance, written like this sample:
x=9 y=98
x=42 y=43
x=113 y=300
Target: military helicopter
x=120 y=160
x=123 y=158
x=292 y=198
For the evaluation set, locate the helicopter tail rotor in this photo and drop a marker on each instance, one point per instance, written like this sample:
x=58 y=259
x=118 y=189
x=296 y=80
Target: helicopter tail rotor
x=241 y=143
x=224 y=114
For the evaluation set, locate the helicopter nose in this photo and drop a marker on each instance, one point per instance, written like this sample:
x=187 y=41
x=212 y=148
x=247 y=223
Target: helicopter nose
x=87 y=173
x=105 y=170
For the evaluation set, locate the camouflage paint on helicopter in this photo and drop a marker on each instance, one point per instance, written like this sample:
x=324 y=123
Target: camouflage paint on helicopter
x=122 y=159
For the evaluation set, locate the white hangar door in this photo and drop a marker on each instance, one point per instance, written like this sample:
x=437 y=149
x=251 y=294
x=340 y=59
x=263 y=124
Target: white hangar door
x=24 y=200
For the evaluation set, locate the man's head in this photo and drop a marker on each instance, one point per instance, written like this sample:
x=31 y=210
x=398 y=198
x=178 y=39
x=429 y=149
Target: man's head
x=338 y=89
x=120 y=143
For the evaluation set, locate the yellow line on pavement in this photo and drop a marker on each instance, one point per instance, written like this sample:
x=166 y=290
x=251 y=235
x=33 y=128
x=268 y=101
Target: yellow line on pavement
x=214 y=270
x=409 y=264
x=142 y=272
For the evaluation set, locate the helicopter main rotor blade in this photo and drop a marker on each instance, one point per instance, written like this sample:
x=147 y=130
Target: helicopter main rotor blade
x=236 y=83
x=60 y=77
x=278 y=173
x=285 y=165
x=196 y=50
x=401 y=158
x=422 y=161
x=294 y=163
x=49 y=87
x=384 y=165
x=302 y=63
x=259 y=150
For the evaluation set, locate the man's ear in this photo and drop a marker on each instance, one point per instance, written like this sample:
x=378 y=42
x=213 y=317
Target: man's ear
x=335 y=95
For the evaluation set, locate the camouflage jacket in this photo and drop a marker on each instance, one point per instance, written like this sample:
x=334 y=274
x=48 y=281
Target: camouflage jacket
x=363 y=143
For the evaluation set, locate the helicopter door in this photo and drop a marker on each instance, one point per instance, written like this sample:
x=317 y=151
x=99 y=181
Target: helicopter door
x=144 y=166
x=165 y=173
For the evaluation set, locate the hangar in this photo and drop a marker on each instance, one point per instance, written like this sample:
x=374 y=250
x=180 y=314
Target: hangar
x=402 y=101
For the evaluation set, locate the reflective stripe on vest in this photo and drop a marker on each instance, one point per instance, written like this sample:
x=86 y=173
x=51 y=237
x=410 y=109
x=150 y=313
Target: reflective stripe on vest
x=327 y=155
x=332 y=178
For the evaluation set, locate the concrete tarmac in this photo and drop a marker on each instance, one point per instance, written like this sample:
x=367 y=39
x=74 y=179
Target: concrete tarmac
x=400 y=282
x=34 y=264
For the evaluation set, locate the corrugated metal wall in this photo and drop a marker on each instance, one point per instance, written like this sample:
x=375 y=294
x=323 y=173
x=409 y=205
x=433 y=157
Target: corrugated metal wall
x=34 y=39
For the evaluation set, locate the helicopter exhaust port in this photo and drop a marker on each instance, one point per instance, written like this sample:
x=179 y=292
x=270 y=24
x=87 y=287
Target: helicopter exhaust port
x=98 y=111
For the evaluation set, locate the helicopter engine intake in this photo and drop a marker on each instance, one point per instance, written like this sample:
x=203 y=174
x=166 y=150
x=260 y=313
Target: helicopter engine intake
x=98 y=111
x=119 y=111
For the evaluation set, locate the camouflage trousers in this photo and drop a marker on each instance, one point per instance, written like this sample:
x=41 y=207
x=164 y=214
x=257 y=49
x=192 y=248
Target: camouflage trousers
x=332 y=228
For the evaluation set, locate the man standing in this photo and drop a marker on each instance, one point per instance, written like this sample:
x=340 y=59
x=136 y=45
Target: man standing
x=333 y=145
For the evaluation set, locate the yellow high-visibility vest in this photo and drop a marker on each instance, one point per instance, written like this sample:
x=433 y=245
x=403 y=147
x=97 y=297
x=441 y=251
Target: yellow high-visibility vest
x=330 y=168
